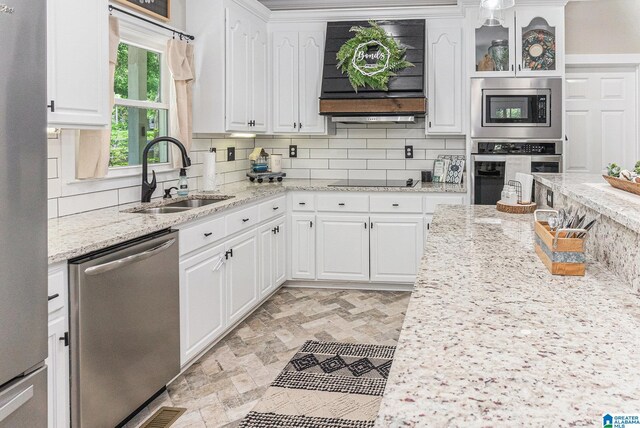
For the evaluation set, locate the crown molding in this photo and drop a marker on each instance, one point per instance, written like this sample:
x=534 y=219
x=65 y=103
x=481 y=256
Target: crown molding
x=362 y=14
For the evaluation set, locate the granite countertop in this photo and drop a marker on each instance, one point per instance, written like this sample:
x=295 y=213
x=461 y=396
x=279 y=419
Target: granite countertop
x=491 y=338
x=79 y=234
x=594 y=192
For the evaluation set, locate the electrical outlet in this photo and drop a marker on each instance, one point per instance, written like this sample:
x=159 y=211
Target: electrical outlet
x=408 y=152
x=550 y=198
x=231 y=154
x=293 y=151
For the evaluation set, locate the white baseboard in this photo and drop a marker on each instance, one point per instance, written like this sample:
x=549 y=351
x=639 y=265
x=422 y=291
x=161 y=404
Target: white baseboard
x=373 y=286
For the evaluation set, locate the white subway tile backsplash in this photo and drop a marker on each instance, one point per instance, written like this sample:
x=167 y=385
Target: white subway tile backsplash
x=420 y=164
x=368 y=174
x=395 y=154
x=406 y=174
x=52 y=168
x=428 y=144
x=328 y=153
x=348 y=164
x=454 y=144
x=348 y=143
x=298 y=173
x=406 y=133
x=386 y=143
x=52 y=208
x=367 y=133
x=310 y=163
x=329 y=174
x=367 y=154
x=386 y=164
x=310 y=143
x=87 y=202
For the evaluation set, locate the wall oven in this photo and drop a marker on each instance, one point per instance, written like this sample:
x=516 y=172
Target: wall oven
x=510 y=108
x=489 y=165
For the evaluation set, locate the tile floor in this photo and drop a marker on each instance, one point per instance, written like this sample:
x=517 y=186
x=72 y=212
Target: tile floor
x=225 y=384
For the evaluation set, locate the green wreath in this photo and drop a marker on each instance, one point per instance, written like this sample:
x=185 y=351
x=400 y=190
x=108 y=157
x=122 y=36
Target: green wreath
x=371 y=69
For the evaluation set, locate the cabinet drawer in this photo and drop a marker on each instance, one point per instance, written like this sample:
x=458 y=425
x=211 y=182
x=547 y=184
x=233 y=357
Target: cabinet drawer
x=396 y=203
x=199 y=235
x=56 y=290
x=432 y=201
x=343 y=202
x=242 y=219
x=303 y=202
x=273 y=208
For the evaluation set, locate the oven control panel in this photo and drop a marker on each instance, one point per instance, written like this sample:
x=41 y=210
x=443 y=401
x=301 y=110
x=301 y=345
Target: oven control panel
x=508 y=148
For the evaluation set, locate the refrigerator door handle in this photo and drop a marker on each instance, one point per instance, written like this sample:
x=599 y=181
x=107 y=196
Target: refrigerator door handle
x=16 y=402
x=105 y=267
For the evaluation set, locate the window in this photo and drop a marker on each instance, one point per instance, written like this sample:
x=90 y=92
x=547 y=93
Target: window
x=140 y=112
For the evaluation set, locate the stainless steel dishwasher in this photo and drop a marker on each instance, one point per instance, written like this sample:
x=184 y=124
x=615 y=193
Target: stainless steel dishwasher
x=124 y=328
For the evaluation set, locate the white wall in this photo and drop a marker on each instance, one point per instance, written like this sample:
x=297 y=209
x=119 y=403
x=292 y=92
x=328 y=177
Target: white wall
x=603 y=26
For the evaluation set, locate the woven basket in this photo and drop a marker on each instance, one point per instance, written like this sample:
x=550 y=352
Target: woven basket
x=622 y=184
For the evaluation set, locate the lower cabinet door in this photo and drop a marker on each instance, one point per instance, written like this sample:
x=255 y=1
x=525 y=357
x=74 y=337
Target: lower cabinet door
x=303 y=246
x=58 y=375
x=279 y=249
x=202 y=301
x=397 y=245
x=343 y=247
x=242 y=275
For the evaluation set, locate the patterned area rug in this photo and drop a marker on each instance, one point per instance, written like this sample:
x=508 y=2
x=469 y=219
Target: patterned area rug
x=328 y=385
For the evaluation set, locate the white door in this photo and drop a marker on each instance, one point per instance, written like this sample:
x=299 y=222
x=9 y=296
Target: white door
x=202 y=301
x=397 y=245
x=303 y=246
x=601 y=119
x=259 y=76
x=58 y=375
x=77 y=62
x=343 y=247
x=445 y=83
x=266 y=266
x=279 y=250
x=242 y=275
x=310 y=81
x=285 y=82
x=238 y=64
x=529 y=51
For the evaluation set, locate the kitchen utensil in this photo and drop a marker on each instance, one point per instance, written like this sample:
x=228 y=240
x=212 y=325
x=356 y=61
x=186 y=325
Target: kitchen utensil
x=553 y=222
x=587 y=228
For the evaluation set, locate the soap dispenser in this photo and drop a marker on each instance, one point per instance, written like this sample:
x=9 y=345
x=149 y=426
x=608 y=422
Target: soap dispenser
x=183 y=183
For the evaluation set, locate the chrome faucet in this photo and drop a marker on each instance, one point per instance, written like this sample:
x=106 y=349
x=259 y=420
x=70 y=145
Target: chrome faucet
x=149 y=188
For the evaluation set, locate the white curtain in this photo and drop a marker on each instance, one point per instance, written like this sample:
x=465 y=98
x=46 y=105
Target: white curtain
x=180 y=62
x=94 y=146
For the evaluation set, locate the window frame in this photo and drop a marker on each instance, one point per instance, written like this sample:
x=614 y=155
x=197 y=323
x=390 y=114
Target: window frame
x=135 y=36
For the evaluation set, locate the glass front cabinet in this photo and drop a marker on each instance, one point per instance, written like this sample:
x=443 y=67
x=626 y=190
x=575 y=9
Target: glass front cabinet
x=528 y=42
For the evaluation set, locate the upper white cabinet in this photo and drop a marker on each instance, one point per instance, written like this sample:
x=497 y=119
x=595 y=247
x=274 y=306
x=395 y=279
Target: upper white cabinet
x=444 y=77
x=246 y=71
x=297 y=78
x=78 y=63
x=530 y=42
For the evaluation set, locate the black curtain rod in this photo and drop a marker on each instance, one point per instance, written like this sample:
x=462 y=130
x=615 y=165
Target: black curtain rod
x=174 y=31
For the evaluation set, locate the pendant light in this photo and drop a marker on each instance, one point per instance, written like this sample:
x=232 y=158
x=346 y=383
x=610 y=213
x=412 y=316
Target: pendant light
x=491 y=17
x=497 y=4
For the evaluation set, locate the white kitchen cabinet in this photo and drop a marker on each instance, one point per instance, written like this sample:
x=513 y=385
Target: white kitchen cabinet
x=518 y=21
x=444 y=77
x=397 y=245
x=298 y=58
x=531 y=22
x=343 y=247
x=246 y=71
x=272 y=255
x=78 y=63
x=242 y=275
x=202 y=301
x=58 y=350
x=303 y=246
x=58 y=374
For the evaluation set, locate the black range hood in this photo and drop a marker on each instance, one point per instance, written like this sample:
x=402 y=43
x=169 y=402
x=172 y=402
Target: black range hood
x=406 y=95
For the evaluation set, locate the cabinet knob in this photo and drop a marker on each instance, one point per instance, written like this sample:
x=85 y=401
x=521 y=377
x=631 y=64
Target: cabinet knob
x=295 y=125
x=50 y=298
x=52 y=106
x=341 y=204
x=244 y=220
x=395 y=205
x=207 y=234
x=300 y=125
x=302 y=203
x=275 y=208
x=65 y=338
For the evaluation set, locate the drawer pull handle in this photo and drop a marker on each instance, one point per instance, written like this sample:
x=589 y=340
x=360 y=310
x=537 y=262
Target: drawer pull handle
x=302 y=203
x=50 y=298
x=244 y=220
x=207 y=234
x=341 y=204
x=396 y=205
x=275 y=208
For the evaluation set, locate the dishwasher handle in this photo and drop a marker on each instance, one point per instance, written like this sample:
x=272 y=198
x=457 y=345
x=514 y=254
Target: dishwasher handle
x=116 y=264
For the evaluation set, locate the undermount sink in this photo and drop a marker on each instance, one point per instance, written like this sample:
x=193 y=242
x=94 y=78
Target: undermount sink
x=181 y=206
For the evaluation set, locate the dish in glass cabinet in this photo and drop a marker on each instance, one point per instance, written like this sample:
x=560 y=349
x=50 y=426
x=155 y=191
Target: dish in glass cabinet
x=539 y=50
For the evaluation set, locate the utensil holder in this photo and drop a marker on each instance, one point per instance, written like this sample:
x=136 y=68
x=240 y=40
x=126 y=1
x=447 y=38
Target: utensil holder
x=560 y=254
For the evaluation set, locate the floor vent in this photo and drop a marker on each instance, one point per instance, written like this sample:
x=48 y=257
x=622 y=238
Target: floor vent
x=164 y=417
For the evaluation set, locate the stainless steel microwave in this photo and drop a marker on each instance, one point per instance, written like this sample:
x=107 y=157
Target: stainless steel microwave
x=515 y=108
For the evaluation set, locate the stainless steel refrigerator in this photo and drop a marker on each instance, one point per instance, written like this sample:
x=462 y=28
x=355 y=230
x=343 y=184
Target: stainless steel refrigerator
x=23 y=214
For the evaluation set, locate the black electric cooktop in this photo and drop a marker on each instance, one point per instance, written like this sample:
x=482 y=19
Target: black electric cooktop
x=374 y=183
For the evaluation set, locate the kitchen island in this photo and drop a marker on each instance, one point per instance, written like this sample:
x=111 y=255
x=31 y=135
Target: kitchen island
x=491 y=338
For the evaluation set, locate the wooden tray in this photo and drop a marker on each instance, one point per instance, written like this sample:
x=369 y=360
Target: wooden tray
x=516 y=209
x=622 y=184
x=565 y=258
